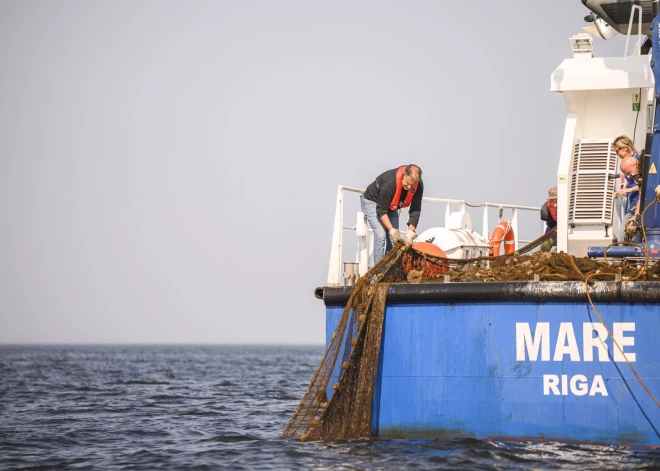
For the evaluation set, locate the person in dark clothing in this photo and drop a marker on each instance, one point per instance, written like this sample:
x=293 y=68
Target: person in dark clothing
x=383 y=200
x=549 y=215
x=549 y=210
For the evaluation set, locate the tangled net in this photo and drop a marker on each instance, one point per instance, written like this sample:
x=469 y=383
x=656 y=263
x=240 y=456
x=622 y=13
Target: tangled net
x=548 y=267
x=356 y=344
x=338 y=402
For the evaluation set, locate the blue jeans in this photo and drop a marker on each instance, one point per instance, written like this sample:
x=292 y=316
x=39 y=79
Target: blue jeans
x=382 y=241
x=621 y=205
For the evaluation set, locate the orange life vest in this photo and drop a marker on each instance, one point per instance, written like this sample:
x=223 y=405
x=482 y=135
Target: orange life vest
x=396 y=201
x=552 y=209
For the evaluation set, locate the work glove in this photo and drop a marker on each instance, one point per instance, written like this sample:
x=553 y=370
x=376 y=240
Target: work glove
x=410 y=236
x=395 y=235
x=657 y=193
x=631 y=228
x=547 y=244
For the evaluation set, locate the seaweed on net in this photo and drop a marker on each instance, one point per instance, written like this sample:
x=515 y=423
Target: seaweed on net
x=338 y=402
x=350 y=361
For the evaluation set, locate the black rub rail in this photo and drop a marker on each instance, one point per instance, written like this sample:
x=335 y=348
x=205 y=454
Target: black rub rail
x=633 y=292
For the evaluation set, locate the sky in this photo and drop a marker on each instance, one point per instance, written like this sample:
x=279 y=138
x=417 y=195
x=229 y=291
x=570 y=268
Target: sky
x=168 y=169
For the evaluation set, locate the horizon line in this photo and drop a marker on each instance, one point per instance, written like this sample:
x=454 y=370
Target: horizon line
x=156 y=344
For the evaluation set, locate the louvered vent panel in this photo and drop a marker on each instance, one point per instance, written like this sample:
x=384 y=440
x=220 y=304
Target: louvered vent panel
x=592 y=183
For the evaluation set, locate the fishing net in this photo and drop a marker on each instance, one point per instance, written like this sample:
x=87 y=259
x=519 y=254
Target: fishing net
x=350 y=363
x=338 y=402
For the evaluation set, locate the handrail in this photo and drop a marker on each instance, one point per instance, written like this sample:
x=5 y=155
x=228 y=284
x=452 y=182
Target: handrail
x=638 y=47
x=424 y=198
x=516 y=206
x=364 y=231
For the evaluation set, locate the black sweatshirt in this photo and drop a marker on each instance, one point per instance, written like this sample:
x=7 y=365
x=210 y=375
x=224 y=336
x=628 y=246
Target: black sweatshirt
x=382 y=191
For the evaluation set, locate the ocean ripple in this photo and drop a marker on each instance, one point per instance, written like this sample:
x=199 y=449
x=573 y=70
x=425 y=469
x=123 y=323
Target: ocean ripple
x=216 y=407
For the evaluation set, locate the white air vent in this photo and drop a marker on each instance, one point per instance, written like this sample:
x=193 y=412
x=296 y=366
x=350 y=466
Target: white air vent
x=592 y=185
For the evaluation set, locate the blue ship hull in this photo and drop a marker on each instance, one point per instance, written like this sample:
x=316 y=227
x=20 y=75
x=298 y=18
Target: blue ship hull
x=516 y=360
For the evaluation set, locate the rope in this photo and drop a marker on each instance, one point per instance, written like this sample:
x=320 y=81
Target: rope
x=528 y=248
x=586 y=282
x=641 y=270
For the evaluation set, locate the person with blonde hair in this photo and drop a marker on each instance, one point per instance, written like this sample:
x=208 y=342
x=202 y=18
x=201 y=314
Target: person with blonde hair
x=625 y=149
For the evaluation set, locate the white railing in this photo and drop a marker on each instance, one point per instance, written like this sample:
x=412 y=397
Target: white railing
x=364 y=233
x=638 y=46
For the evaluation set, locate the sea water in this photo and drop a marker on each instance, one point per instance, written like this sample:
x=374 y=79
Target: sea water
x=216 y=407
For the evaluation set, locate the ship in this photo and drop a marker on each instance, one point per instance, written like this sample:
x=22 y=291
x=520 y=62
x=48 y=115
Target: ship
x=534 y=359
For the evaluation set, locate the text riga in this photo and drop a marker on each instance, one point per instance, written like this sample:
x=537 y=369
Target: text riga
x=577 y=385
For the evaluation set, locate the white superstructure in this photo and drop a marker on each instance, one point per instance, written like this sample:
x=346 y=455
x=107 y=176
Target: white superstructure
x=605 y=97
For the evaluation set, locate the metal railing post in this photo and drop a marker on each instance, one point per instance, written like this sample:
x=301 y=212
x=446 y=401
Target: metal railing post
x=485 y=234
x=334 y=270
x=363 y=251
x=514 y=226
x=447 y=213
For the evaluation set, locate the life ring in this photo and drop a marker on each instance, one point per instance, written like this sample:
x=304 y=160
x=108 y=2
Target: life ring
x=503 y=232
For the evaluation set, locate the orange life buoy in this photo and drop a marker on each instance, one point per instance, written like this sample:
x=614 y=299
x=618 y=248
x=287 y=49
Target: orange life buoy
x=503 y=232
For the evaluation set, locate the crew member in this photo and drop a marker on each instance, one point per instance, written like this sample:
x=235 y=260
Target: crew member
x=624 y=148
x=383 y=200
x=630 y=170
x=549 y=215
x=549 y=210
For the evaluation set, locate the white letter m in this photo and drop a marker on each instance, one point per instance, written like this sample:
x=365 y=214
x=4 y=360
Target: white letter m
x=525 y=341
